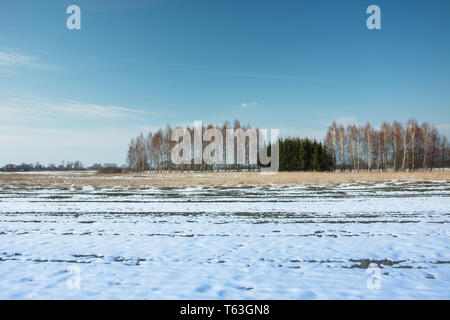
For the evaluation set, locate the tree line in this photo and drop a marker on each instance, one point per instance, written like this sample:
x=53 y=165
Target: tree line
x=393 y=146
x=152 y=152
x=63 y=166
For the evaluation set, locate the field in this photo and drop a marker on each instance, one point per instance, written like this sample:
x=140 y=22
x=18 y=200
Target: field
x=225 y=236
x=78 y=180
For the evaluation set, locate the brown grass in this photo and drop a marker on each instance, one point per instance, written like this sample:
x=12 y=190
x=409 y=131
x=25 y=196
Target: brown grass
x=222 y=179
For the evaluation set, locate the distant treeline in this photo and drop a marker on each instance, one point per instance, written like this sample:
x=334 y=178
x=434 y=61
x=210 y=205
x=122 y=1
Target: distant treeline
x=64 y=166
x=393 y=146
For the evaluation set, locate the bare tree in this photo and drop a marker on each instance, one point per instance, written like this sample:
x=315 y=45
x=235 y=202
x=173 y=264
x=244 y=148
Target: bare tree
x=369 y=134
x=386 y=134
x=379 y=137
x=405 y=147
x=396 y=140
x=434 y=141
x=425 y=135
x=352 y=133
x=331 y=142
x=342 y=146
x=412 y=127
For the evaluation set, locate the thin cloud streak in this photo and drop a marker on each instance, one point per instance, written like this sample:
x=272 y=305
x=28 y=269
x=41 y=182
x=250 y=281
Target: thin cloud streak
x=10 y=59
x=33 y=109
x=183 y=68
x=31 y=61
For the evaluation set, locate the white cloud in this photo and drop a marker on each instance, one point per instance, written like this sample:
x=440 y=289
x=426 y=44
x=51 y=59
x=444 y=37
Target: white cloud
x=34 y=129
x=15 y=59
x=248 y=104
x=75 y=108
x=17 y=109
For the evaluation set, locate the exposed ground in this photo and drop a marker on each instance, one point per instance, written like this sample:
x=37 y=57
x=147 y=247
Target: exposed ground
x=166 y=180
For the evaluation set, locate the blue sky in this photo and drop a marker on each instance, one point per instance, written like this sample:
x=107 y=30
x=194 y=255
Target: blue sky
x=138 y=65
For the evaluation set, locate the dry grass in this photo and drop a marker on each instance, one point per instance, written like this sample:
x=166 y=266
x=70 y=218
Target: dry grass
x=223 y=179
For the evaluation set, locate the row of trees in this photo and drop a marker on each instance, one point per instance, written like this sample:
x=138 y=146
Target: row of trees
x=152 y=152
x=64 y=166
x=393 y=146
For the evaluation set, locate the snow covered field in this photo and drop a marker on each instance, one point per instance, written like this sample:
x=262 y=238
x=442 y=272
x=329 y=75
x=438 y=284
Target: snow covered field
x=309 y=242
